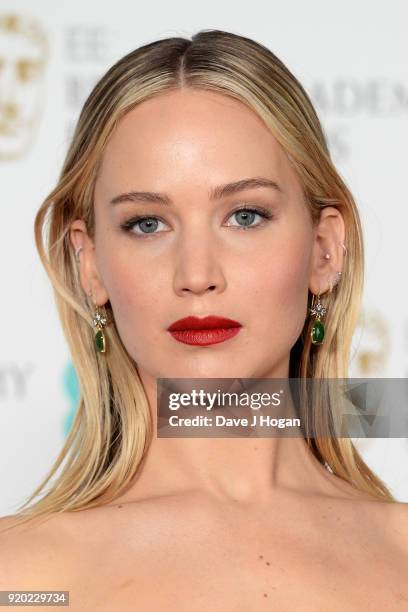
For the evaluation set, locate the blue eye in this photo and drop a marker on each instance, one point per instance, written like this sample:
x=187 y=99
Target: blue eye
x=246 y=215
x=148 y=225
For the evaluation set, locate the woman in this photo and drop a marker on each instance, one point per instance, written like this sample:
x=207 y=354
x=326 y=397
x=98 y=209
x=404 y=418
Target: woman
x=199 y=183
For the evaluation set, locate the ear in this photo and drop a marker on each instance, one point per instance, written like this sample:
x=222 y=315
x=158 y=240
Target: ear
x=329 y=238
x=88 y=273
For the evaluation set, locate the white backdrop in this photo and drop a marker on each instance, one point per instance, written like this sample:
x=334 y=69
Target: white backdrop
x=351 y=57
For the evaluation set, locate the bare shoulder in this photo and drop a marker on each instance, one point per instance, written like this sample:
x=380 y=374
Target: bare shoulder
x=383 y=523
x=390 y=529
x=400 y=522
x=32 y=554
x=377 y=522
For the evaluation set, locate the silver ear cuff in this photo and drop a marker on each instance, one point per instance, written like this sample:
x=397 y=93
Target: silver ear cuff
x=77 y=252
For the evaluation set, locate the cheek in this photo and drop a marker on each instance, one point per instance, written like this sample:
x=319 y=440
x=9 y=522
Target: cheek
x=134 y=294
x=279 y=286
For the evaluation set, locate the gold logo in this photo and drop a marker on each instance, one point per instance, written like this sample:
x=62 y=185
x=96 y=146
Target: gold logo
x=23 y=59
x=374 y=345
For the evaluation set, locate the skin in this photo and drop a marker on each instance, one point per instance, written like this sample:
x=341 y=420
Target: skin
x=223 y=523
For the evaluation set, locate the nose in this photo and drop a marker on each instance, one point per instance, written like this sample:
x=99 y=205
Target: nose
x=199 y=265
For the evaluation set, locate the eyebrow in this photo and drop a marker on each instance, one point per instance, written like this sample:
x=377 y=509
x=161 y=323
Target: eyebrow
x=216 y=193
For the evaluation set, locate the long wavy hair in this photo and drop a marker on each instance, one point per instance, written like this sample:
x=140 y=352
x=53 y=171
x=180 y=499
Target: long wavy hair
x=112 y=428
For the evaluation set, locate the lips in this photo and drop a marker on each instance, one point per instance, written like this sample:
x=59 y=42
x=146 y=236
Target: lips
x=204 y=331
x=210 y=322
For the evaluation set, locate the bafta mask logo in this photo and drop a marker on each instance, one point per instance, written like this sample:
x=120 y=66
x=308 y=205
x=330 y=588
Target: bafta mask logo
x=373 y=346
x=23 y=59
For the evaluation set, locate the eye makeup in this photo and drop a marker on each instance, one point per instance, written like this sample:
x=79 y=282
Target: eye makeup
x=151 y=221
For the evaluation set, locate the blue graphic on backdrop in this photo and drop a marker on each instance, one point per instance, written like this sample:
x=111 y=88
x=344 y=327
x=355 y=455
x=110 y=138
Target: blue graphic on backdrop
x=70 y=385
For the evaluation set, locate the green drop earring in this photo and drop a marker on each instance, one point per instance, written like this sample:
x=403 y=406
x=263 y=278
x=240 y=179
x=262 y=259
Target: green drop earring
x=319 y=310
x=99 y=321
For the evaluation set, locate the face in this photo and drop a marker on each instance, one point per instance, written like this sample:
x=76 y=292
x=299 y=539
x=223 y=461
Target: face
x=196 y=254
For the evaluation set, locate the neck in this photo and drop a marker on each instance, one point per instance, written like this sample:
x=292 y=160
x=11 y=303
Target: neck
x=246 y=470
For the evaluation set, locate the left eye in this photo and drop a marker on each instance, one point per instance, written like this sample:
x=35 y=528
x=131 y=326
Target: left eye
x=247 y=215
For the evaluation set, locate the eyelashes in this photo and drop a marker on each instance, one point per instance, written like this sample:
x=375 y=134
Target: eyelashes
x=150 y=222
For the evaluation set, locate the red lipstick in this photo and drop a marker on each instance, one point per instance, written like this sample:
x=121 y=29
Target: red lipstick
x=205 y=331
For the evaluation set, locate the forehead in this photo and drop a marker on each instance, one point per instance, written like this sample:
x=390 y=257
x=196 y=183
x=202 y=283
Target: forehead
x=192 y=134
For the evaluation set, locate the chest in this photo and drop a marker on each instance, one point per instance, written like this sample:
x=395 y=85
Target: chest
x=243 y=570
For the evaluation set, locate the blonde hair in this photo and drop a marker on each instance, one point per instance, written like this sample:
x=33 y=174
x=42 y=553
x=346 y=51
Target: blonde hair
x=112 y=427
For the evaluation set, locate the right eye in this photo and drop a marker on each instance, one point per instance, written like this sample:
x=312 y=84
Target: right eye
x=147 y=225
